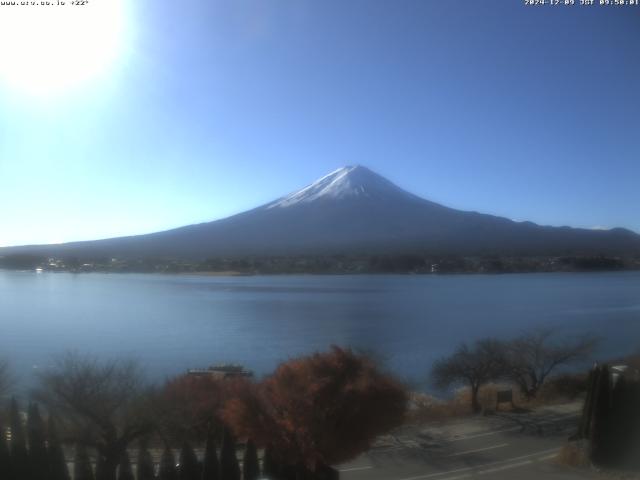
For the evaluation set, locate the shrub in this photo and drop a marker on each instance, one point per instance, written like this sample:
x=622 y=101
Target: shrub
x=564 y=387
x=322 y=409
x=573 y=455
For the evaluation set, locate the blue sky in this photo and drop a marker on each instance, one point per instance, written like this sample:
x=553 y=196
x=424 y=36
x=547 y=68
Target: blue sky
x=206 y=110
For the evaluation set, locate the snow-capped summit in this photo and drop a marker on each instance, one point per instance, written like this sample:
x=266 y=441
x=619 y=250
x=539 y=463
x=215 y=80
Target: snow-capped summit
x=350 y=181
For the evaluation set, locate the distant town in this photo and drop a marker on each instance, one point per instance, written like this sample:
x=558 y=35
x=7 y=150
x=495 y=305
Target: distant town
x=333 y=264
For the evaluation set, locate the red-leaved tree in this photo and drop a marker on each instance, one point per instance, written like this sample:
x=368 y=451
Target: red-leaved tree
x=319 y=410
x=189 y=405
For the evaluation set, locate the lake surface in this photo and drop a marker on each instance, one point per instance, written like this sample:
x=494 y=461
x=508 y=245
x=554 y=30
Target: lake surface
x=174 y=322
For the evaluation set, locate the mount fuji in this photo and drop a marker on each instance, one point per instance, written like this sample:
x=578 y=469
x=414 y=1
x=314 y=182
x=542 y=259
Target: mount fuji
x=353 y=210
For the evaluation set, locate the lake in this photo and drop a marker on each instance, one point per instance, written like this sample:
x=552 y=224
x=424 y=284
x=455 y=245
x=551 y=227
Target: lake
x=174 y=322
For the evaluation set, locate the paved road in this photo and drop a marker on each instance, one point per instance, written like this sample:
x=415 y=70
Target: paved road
x=502 y=446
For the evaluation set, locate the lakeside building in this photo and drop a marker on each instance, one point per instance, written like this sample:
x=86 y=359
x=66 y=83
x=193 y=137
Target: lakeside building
x=223 y=370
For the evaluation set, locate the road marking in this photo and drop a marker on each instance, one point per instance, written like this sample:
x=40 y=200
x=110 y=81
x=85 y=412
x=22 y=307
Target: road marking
x=478 y=450
x=548 y=457
x=459 y=439
x=476 y=467
x=355 y=469
x=505 y=467
x=499 y=469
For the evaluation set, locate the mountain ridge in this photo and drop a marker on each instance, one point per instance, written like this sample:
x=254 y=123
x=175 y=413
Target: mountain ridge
x=352 y=210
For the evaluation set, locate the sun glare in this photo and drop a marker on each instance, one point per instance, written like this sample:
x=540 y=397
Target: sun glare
x=50 y=49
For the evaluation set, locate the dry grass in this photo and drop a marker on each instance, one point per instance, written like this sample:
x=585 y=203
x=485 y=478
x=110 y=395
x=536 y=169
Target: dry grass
x=573 y=455
x=563 y=388
x=558 y=390
x=425 y=408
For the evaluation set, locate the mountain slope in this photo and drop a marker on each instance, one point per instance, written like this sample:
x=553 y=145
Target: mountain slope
x=354 y=210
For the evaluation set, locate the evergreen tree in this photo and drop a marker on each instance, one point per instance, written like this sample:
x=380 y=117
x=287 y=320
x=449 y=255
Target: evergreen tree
x=101 y=471
x=82 y=464
x=4 y=455
x=600 y=419
x=229 y=468
x=587 y=406
x=269 y=466
x=38 y=457
x=57 y=462
x=168 y=466
x=19 y=455
x=125 y=472
x=145 y=463
x=189 y=466
x=250 y=463
x=211 y=467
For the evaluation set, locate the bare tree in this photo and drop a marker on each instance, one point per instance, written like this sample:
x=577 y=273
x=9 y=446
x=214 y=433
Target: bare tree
x=532 y=357
x=471 y=366
x=100 y=404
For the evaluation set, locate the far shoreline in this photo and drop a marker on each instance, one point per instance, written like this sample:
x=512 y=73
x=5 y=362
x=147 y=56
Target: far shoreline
x=329 y=264
x=233 y=273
